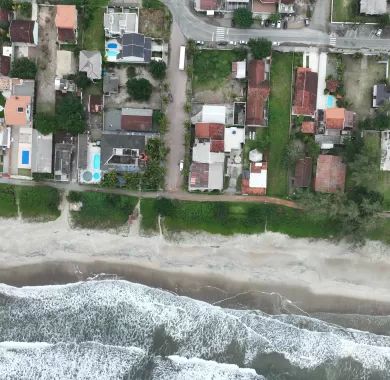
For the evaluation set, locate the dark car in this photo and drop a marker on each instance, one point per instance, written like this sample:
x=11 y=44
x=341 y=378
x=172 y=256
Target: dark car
x=223 y=43
x=285 y=24
x=267 y=23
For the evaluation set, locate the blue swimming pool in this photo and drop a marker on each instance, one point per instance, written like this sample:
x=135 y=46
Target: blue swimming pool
x=96 y=176
x=330 y=101
x=25 y=157
x=112 y=45
x=96 y=161
x=112 y=53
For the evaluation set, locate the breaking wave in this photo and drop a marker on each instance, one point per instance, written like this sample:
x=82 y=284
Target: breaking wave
x=121 y=330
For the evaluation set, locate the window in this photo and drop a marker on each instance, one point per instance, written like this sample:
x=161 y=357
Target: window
x=20 y=109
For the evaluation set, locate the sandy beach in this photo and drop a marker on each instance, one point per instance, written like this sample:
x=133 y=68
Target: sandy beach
x=268 y=271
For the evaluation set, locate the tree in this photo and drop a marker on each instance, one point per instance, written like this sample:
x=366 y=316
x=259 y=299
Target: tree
x=384 y=20
x=81 y=79
x=260 y=47
x=6 y=4
x=23 y=68
x=139 y=89
x=275 y=17
x=242 y=18
x=261 y=141
x=45 y=123
x=110 y=179
x=70 y=114
x=131 y=71
x=158 y=69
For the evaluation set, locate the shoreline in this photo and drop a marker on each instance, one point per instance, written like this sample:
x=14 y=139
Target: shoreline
x=268 y=271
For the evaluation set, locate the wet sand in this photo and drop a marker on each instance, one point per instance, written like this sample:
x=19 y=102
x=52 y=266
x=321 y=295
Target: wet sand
x=270 y=271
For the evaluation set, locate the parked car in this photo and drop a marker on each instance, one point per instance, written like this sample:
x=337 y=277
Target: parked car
x=243 y=42
x=307 y=22
x=234 y=43
x=278 y=24
x=200 y=42
x=378 y=33
x=181 y=165
x=275 y=43
x=285 y=24
x=273 y=24
x=267 y=23
x=222 y=43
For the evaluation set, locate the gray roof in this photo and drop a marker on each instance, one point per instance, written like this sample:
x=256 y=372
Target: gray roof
x=136 y=45
x=42 y=152
x=62 y=162
x=82 y=151
x=118 y=23
x=24 y=88
x=373 y=7
x=110 y=83
x=137 y=111
x=120 y=140
x=112 y=119
x=91 y=63
x=382 y=94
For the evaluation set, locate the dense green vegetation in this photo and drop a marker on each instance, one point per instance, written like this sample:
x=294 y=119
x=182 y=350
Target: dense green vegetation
x=260 y=47
x=139 y=89
x=152 y=4
x=211 y=68
x=93 y=33
x=158 y=69
x=8 y=208
x=242 y=18
x=23 y=68
x=100 y=210
x=349 y=11
x=228 y=218
x=279 y=121
x=38 y=203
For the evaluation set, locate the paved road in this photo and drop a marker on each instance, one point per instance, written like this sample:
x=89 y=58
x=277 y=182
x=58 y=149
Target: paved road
x=180 y=195
x=197 y=28
x=174 y=138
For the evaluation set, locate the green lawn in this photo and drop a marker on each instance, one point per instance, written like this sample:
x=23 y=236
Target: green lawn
x=212 y=68
x=101 y=210
x=382 y=232
x=93 y=36
x=279 y=121
x=348 y=11
x=8 y=208
x=229 y=218
x=38 y=203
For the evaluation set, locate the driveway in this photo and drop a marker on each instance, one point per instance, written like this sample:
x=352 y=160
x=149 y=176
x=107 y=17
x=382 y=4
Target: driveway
x=320 y=18
x=47 y=61
x=174 y=138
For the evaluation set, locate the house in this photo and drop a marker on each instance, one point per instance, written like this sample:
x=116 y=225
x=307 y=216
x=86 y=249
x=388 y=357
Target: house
x=286 y=7
x=254 y=180
x=338 y=119
x=129 y=119
x=90 y=62
x=66 y=64
x=62 y=162
x=373 y=7
x=116 y=24
x=123 y=151
x=95 y=103
x=5 y=65
x=265 y=7
x=258 y=92
x=23 y=33
x=308 y=127
x=206 y=5
x=234 y=139
x=213 y=114
x=305 y=95
x=231 y=5
x=380 y=95
x=303 y=173
x=110 y=84
x=330 y=174
x=18 y=111
x=131 y=47
x=64 y=85
x=239 y=69
x=66 y=23
x=88 y=161
x=205 y=176
x=41 y=158
x=385 y=149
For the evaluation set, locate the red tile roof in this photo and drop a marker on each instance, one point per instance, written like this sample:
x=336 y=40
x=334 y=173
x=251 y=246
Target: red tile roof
x=5 y=65
x=264 y=6
x=245 y=189
x=199 y=175
x=303 y=172
x=258 y=92
x=308 y=127
x=65 y=35
x=4 y=15
x=209 y=131
x=136 y=123
x=330 y=175
x=334 y=118
x=95 y=104
x=207 y=5
x=22 y=31
x=217 y=146
x=305 y=97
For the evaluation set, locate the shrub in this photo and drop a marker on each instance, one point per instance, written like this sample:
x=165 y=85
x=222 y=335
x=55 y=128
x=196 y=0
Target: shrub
x=81 y=79
x=242 y=18
x=23 y=68
x=260 y=47
x=45 y=123
x=131 y=72
x=70 y=114
x=139 y=89
x=152 y=4
x=158 y=69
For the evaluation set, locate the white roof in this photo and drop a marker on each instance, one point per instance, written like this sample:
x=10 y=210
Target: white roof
x=385 y=145
x=373 y=7
x=214 y=114
x=258 y=180
x=41 y=159
x=201 y=153
x=241 y=69
x=216 y=176
x=234 y=137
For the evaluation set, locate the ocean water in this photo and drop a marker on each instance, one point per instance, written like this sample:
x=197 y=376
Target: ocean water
x=116 y=329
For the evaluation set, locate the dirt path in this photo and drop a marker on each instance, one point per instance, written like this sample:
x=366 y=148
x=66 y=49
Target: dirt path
x=174 y=137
